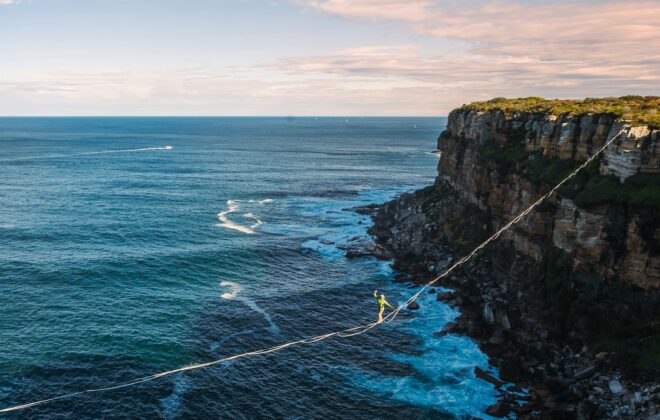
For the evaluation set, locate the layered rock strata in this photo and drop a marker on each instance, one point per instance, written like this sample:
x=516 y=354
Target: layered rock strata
x=568 y=300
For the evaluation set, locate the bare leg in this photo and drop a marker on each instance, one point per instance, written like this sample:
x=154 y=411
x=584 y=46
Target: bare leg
x=380 y=314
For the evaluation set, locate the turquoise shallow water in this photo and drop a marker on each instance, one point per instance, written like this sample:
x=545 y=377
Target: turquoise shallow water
x=130 y=246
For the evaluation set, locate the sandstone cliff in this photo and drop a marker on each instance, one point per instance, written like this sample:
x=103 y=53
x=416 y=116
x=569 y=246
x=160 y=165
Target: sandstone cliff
x=583 y=270
x=601 y=235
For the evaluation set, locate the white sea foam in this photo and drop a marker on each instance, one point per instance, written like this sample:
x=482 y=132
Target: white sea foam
x=447 y=363
x=143 y=149
x=256 y=223
x=233 y=206
x=444 y=367
x=234 y=289
x=266 y=201
x=252 y=305
x=100 y=152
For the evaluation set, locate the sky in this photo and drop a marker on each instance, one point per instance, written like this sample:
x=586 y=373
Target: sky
x=318 y=57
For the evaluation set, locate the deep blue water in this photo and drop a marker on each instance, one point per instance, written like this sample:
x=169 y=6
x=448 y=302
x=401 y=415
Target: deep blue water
x=115 y=264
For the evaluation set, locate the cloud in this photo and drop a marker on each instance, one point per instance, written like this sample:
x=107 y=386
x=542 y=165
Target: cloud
x=204 y=91
x=9 y=2
x=564 y=49
x=478 y=67
x=613 y=29
x=509 y=48
x=473 y=69
x=374 y=80
x=440 y=83
x=410 y=10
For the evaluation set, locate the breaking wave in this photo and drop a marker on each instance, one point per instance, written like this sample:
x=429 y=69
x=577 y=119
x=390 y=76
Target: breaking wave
x=234 y=288
x=143 y=149
x=100 y=152
x=233 y=206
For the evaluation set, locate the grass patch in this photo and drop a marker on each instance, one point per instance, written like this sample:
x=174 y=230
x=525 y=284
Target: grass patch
x=643 y=110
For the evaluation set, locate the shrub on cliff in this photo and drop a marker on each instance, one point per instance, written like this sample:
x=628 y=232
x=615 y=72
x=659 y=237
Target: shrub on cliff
x=601 y=190
x=504 y=157
x=590 y=188
x=548 y=171
x=640 y=193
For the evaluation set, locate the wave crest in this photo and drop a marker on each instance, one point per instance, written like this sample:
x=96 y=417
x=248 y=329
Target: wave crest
x=233 y=206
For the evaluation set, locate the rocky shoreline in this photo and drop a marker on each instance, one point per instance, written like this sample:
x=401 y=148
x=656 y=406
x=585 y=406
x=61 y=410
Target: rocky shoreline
x=566 y=301
x=564 y=379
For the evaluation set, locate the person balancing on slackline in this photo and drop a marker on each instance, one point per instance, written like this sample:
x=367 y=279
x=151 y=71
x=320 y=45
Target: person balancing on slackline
x=381 y=305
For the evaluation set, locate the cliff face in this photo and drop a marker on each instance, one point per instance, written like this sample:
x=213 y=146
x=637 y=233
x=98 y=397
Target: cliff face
x=564 y=137
x=488 y=158
x=583 y=268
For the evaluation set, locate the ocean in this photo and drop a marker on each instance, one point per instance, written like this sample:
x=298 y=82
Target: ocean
x=130 y=246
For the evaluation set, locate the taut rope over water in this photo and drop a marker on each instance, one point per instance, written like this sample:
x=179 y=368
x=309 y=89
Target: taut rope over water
x=349 y=332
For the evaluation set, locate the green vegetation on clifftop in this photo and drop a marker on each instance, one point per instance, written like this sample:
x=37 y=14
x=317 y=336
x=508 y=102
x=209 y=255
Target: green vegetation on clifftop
x=643 y=110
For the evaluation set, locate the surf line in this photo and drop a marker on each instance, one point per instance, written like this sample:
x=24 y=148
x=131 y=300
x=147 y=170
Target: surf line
x=100 y=152
x=348 y=332
x=143 y=149
x=233 y=206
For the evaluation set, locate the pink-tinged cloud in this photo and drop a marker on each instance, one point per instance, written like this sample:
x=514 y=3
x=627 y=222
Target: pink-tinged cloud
x=472 y=76
x=613 y=30
x=510 y=48
x=562 y=30
x=382 y=80
x=411 y=10
x=471 y=69
x=203 y=91
x=566 y=49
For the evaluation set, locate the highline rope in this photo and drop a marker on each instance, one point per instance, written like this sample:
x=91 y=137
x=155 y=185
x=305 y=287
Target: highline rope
x=349 y=332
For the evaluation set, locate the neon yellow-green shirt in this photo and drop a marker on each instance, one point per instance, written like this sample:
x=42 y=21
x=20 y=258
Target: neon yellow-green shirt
x=382 y=302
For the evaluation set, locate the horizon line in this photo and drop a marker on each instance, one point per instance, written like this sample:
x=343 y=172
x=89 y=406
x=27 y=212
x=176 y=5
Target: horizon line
x=223 y=116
